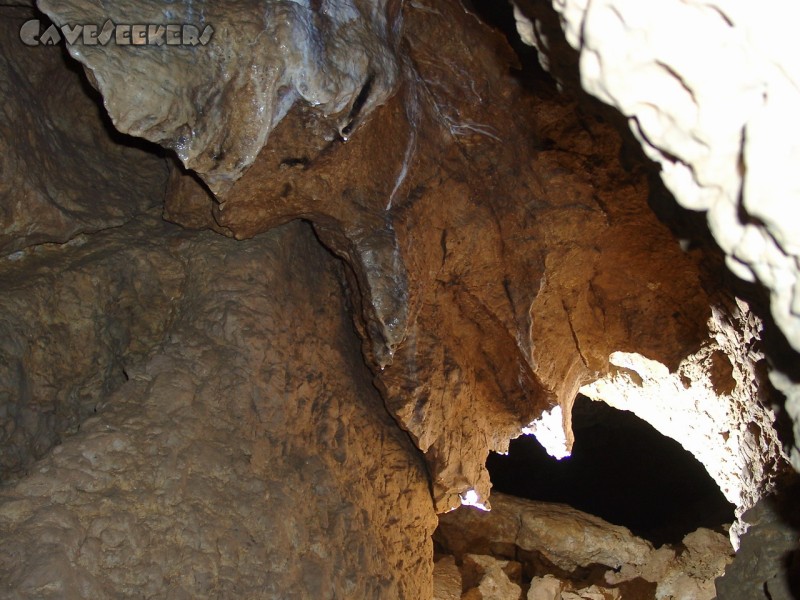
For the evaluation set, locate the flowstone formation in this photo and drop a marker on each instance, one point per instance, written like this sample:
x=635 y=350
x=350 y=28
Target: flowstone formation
x=215 y=106
x=249 y=415
x=498 y=251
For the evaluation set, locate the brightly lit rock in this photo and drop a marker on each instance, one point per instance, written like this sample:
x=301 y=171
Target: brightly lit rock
x=565 y=536
x=545 y=588
x=528 y=531
x=791 y=390
x=550 y=431
x=717 y=111
x=709 y=405
x=692 y=575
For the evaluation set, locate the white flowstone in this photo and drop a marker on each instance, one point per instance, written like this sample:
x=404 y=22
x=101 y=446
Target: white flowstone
x=717 y=110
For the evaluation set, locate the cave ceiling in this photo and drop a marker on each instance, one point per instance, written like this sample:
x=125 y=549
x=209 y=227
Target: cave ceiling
x=498 y=247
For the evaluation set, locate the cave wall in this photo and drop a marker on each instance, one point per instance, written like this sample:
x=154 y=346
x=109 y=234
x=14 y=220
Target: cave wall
x=715 y=110
x=707 y=405
x=495 y=248
x=498 y=249
x=48 y=126
x=550 y=551
x=248 y=454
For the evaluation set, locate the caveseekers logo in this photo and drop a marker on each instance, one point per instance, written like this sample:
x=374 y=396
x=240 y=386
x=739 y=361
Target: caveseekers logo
x=89 y=34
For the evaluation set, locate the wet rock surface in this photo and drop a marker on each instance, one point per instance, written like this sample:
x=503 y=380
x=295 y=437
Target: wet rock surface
x=498 y=250
x=248 y=456
x=50 y=124
x=214 y=92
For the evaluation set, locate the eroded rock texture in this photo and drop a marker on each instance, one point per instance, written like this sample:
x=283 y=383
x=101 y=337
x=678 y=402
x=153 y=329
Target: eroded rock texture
x=49 y=192
x=716 y=110
x=714 y=404
x=498 y=255
x=73 y=319
x=498 y=250
x=215 y=104
x=768 y=562
x=248 y=456
x=554 y=552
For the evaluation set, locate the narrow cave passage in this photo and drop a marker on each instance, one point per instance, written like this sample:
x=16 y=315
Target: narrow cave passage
x=622 y=470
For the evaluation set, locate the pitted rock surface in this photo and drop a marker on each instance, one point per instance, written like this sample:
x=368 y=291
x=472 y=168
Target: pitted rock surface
x=249 y=456
x=498 y=251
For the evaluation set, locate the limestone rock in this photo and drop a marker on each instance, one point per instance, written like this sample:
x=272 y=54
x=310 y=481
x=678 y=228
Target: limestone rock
x=687 y=574
x=446 y=579
x=74 y=321
x=545 y=588
x=64 y=170
x=569 y=541
x=498 y=251
x=791 y=390
x=563 y=535
x=494 y=582
x=720 y=123
x=249 y=455
x=767 y=564
x=551 y=588
x=692 y=575
x=701 y=108
x=592 y=592
x=216 y=103
x=711 y=404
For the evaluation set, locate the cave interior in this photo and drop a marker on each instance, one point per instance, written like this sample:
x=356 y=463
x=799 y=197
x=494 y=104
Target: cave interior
x=308 y=352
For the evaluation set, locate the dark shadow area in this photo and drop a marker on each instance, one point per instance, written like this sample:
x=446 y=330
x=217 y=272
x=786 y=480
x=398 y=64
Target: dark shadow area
x=500 y=16
x=767 y=565
x=621 y=470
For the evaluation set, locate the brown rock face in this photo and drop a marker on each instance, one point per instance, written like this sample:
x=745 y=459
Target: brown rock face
x=200 y=406
x=249 y=456
x=498 y=251
x=73 y=319
x=49 y=192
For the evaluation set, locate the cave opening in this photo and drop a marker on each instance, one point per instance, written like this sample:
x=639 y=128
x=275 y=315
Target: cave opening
x=622 y=470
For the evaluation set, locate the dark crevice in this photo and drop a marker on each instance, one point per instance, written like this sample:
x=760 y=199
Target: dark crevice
x=621 y=470
x=500 y=16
